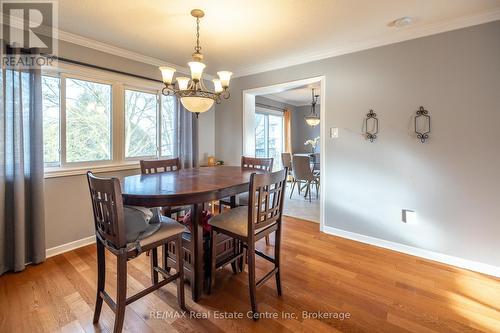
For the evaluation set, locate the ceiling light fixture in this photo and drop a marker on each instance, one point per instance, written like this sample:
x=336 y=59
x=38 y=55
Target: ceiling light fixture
x=401 y=22
x=192 y=92
x=313 y=119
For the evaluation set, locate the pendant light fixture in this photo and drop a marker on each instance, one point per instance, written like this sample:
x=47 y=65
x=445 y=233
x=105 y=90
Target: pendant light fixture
x=313 y=119
x=192 y=92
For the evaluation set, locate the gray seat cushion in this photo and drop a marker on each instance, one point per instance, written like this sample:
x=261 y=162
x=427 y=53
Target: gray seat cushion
x=146 y=226
x=167 y=227
x=234 y=221
x=137 y=222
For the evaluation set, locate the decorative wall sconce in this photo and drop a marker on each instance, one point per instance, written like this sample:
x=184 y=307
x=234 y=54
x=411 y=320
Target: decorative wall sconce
x=422 y=124
x=371 y=126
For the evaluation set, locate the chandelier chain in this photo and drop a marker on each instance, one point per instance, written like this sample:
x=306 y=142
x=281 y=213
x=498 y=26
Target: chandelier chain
x=197 y=47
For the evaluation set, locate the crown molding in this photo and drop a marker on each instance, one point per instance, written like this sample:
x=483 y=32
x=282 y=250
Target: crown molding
x=106 y=48
x=404 y=34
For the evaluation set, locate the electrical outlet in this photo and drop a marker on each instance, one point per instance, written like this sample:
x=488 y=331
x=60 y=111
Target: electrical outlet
x=334 y=132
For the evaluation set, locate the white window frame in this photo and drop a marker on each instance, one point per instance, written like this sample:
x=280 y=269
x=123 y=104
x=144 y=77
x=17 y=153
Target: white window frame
x=118 y=82
x=160 y=105
x=64 y=162
x=267 y=112
x=56 y=164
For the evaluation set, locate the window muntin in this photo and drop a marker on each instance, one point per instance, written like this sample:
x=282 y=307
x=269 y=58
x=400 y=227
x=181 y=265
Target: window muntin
x=51 y=108
x=168 y=126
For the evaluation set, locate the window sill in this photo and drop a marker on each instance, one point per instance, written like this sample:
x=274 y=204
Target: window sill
x=82 y=170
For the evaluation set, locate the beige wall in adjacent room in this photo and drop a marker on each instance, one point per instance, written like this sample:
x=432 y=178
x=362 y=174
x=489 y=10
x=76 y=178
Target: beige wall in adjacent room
x=451 y=182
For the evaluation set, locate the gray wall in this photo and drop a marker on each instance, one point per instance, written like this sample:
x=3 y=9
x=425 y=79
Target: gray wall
x=68 y=214
x=452 y=181
x=68 y=210
x=301 y=132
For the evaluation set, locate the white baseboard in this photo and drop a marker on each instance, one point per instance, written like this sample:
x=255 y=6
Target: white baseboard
x=53 y=251
x=414 y=251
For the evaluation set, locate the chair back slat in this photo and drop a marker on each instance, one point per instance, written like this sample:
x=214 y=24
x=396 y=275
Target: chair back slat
x=155 y=166
x=266 y=197
x=255 y=163
x=107 y=205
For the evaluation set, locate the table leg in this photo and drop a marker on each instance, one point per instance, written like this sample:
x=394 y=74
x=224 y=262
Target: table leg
x=197 y=251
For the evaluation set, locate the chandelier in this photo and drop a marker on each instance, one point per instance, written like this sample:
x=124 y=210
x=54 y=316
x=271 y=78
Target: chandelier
x=312 y=119
x=192 y=92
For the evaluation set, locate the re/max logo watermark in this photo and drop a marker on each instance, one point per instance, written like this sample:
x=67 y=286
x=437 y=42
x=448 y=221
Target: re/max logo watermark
x=29 y=34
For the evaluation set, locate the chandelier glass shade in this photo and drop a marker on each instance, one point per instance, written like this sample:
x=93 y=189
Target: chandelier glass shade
x=193 y=94
x=312 y=119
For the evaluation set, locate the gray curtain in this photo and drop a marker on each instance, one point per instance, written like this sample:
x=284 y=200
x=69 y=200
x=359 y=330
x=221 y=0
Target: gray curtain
x=187 y=137
x=22 y=230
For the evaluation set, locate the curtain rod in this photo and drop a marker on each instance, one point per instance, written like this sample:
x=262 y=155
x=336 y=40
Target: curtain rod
x=81 y=63
x=75 y=62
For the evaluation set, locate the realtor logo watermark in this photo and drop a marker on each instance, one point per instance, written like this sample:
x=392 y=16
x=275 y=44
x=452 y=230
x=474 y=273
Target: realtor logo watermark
x=29 y=33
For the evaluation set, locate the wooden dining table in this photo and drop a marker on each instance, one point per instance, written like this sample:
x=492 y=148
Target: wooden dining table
x=193 y=187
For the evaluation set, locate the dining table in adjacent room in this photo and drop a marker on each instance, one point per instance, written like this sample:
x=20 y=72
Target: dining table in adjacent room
x=194 y=187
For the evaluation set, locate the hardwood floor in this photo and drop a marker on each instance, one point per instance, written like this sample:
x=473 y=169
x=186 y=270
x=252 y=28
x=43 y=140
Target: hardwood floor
x=381 y=290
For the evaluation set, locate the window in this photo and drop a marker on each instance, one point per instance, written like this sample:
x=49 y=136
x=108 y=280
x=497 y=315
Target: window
x=104 y=122
x=140 y=124
x=88 y=121
x=51 y=124
x=168 y=125
x=269 y=137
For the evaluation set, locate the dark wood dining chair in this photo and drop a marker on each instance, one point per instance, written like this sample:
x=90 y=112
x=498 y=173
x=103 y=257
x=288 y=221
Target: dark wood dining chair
x=254 y=163
x=154 y=166
x=250 y=223
x=114 y=234
x=165 y=165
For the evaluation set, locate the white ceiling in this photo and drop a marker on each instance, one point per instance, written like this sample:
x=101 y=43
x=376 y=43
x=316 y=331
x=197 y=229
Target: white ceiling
x=256 y=35
x=297 y=96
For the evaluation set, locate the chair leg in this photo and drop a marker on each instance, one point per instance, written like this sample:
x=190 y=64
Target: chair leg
x=164 y=256
x=268 y=241
x=121 y=292
x=213 y=259
x=251 y=279
x=234 y=264
x=154 y=263
x=243 y=258
x=309 y=190
x=317 y=189
x=277 y=249
x=180 y=270
x=293 y=186
x=101 y=279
